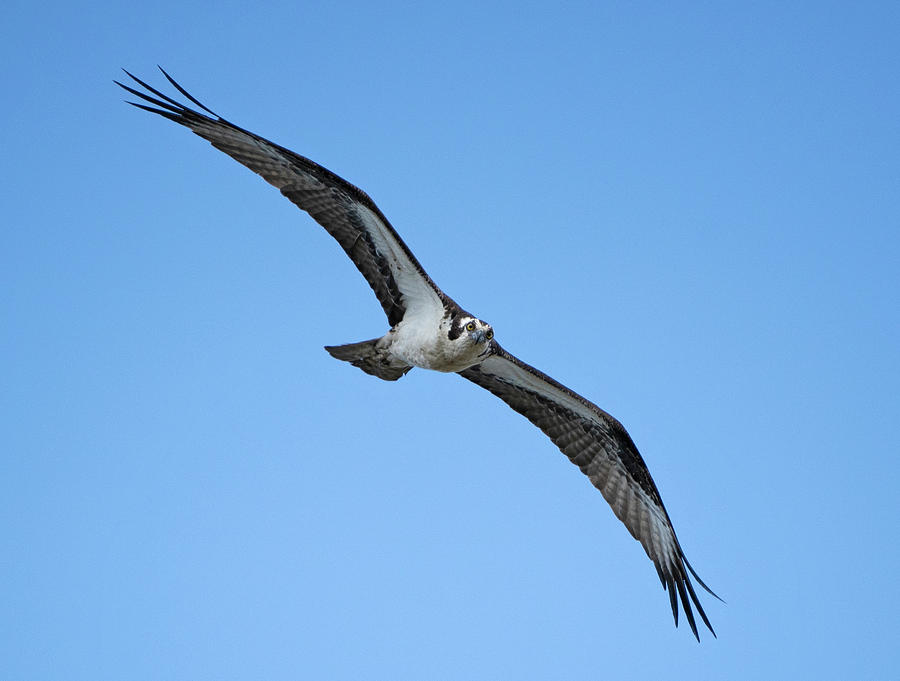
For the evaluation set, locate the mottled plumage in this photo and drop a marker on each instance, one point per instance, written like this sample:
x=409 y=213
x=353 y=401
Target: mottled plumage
x=429 y=330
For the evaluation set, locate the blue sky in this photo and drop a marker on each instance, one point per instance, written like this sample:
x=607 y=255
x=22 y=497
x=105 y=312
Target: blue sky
x=688 y=213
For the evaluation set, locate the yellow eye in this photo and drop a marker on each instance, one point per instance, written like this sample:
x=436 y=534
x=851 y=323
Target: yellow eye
x=470 y=326
x=489 y=334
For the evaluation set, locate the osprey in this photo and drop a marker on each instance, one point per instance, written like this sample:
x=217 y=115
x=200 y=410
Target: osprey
x=429 y=330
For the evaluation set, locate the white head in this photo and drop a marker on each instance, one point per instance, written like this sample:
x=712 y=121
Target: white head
x=472 y=336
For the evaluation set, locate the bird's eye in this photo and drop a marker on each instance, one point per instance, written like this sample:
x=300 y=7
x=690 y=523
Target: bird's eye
x=489 y=334
x=470 y=326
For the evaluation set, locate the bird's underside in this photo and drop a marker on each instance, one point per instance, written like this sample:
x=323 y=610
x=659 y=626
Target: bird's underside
x=429 y=330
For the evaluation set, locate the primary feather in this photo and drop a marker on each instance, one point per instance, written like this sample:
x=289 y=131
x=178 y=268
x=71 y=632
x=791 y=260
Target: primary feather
x=429 y=330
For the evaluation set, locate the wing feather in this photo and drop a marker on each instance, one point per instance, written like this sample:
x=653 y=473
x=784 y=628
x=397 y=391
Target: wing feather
x=601 y=447
x=592 y=439
x=344 y=210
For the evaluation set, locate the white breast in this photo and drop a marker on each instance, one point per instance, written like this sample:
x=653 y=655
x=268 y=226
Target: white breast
x=422 y=341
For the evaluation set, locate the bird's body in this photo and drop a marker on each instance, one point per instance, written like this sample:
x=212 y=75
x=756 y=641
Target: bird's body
x=434 y=339
x=429 y=330
x=434 y=344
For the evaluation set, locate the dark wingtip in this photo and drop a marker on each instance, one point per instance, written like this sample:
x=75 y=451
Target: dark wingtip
x=164 y=105
x=678 y=583
x=186 y=93
x=669 y=586
x=701 y=582
x=686 y=604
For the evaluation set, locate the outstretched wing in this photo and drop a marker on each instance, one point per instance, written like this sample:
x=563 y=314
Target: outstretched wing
x=345 y=211
x=600 y=446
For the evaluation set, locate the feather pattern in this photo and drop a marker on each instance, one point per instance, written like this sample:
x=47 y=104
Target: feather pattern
x=591 y=439
x=344 y=210
x=601 y=447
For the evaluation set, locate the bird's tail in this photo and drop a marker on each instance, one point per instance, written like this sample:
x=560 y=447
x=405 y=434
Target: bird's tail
x=369 y=357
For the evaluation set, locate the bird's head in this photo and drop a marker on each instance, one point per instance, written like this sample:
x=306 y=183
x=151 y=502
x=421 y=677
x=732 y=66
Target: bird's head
x=471 y=333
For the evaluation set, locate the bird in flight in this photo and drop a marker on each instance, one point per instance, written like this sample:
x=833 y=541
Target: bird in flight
x=430 y=331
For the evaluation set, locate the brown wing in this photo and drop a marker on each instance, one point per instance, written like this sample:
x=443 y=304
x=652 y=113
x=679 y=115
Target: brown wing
x=600 y=446
x=345 y=211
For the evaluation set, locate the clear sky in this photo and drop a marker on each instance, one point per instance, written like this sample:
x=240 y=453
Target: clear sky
x=687 y=212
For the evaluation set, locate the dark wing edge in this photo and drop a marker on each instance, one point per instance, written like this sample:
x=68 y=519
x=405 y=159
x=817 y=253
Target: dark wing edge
x=601 y=447
x=344 y=210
